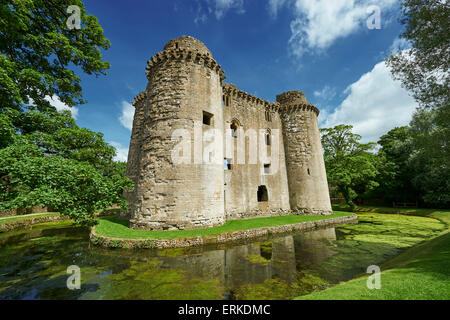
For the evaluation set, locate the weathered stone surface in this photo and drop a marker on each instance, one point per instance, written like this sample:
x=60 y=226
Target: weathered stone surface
x=184 y=82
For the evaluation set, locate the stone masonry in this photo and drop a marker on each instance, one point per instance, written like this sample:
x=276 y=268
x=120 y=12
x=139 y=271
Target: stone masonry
x=186 y=91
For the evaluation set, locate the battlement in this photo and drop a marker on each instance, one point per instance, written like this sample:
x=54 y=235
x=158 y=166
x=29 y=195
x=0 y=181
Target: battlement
x=299 y=107
x=295 y=101
x=188 y=43
x=231 y=90
x=140 y=97
x=291 y=97
x=185 y=49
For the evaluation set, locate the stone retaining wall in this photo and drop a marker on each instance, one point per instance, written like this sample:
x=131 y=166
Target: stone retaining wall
x=20 y=224
x=217 y=239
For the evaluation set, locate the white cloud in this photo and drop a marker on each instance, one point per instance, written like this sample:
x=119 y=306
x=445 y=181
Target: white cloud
x=55 y=102
x=274 y=6
x=200 y=18
x=374 y=105
x=318 y=24
x=126 y=118
x=326 y=94
x=217 y=7
x=399 y=44
x=222 y=6
x=122 y=152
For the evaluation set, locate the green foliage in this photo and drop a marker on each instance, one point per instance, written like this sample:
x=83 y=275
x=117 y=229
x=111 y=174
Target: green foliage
x=351 y=168
x=36 y=48
x=423 y=69
x=45 y=158
x=430 y=157
x=70 y=187
x=396 y=170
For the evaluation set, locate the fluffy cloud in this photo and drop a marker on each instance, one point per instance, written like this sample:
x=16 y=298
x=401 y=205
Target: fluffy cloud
x=126 y=118
x=55 y=102
x=318 y=24
x=374 y=105
x=122 y=152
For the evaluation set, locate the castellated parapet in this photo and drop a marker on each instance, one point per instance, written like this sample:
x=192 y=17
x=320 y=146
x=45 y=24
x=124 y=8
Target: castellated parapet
x=186 y=96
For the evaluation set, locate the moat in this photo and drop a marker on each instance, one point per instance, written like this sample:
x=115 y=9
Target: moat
x=33 y=263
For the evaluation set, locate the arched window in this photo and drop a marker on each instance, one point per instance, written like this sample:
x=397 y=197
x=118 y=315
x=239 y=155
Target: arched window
x=234 y=128
x=263 y=196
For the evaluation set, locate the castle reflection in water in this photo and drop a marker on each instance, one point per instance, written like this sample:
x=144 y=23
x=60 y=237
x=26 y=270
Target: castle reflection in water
x=253 y=263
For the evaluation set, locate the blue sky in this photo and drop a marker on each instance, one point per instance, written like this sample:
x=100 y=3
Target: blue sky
x=321 y=47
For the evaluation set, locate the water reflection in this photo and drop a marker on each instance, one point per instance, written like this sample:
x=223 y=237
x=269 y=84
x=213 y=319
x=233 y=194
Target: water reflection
x=256 y=262
x=33 y=266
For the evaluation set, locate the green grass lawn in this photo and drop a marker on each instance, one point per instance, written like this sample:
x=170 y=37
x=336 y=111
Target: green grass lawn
x=421 y=272
x=118 y=228
x=27 y=216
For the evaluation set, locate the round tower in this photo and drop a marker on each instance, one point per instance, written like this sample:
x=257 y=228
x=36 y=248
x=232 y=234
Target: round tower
x=182 y=100
x=307 y=180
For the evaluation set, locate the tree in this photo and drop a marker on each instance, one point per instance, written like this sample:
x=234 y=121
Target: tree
x=431 y=157
x=351 y=168
x=395 y=167
x=45 y=158
x=424 y=69
x=70 y=187
x=37 y=48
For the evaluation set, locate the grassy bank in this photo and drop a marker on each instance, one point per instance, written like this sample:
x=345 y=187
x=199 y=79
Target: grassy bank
x=27 y=216
x=420 y=272
x=374 y=209
x=118 y=228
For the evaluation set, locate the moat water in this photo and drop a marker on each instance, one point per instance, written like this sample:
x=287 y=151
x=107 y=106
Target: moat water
x=33 y=264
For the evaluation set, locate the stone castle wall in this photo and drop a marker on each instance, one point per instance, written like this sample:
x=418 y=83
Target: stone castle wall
x=244 y=179
x=308 y=186
x=184 y=83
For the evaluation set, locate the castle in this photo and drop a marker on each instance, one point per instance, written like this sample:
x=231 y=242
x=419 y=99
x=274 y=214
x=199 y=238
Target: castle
x=186 y=94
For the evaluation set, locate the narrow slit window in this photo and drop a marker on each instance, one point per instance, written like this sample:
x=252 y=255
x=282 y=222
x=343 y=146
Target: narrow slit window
x=268 y=138
x=225 y=101
x=267 y=168
x=227 y=163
